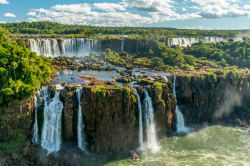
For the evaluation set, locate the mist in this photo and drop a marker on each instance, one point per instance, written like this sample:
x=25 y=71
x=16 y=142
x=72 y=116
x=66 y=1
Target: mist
x=231 y=99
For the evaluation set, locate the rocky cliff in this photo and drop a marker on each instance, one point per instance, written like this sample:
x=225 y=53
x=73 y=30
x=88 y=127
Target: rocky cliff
x=209 y=99
x=16 y=121
x=110 y=114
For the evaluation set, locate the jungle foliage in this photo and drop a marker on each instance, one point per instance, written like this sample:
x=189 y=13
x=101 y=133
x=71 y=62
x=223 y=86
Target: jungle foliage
x=21 y=71
x=50 y=29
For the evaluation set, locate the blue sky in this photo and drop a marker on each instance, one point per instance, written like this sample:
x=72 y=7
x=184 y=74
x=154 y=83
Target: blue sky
x=198 y=14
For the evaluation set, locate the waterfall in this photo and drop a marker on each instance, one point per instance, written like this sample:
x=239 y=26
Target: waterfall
x=150 y=123
x=65 y=47
x=52 y=125
x=140 y=138
x=35 y=138
x=184 y=42
x=180 y=124
x=122 y=45
x=137 y=46
x=80 y=132
x=37 y=101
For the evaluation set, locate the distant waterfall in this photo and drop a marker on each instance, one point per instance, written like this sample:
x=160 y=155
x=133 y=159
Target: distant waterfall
x=150 y=123
x=80 y=132
x=122 y=45
x=184 y=42
x=140 y=138
x=180 y=125
x=52 y=125
x=65 y=47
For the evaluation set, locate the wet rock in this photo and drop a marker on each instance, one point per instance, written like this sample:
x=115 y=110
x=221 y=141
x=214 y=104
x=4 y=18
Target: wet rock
x=68 y=96
x=133 y=155
x=109 y=117
x=17 y=117
x=200 y=98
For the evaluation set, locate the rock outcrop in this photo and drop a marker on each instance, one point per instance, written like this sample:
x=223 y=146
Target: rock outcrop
x=110 y=114
x=16 y=119
x=214 y=99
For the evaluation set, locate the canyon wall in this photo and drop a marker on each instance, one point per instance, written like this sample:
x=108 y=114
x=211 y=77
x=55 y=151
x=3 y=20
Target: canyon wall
x=209 y=99
x=16 y=120
x=82 y=47
x=110 y=114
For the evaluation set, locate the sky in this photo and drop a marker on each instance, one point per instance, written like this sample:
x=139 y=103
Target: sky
x=185 y=14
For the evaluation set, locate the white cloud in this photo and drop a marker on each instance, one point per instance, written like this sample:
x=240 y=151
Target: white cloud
x=109 y=6
x=4 y=2
x=246 y=6
x=9 y=15
x=74 y=8
x=2 y=22
x=219 y=9
x=150 y=5
x=160 y=10
x=125 y=12
x=31 y=13
x=70 y=16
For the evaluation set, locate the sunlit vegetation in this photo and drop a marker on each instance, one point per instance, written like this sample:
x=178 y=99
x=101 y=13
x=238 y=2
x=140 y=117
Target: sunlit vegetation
x=22 y=72
x=49 y=29
x=226 y=53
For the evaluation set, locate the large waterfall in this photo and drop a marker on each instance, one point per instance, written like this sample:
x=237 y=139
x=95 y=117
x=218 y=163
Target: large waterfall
x=80 y=126
x=150 y=123
x=65 y=47
x=184 y=42
x=52 y=125
x=140 y=138
x=180 y=125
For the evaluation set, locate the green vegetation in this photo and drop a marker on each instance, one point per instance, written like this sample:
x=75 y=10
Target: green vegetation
x=49 y=29
x=201 y=59
x=21 y=71
x=15 y=146
x=226 y=53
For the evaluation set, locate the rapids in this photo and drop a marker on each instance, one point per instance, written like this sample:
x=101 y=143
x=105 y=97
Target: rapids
x=207 y=146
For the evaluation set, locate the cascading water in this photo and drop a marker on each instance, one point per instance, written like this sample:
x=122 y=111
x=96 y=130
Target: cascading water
x=35 y=138
x=122 y=45
x=37 y=100
x=140 y=138
x=80 y=132
x=52 y=125
x=65 y=47
x=180 y=125
x=137 y=46
x=184 y=42
x=150 y=123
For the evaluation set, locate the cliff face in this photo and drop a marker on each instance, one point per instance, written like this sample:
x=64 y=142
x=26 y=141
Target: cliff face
x=16 y=119
x=130 y=45
x=69 y=119
x=110 y=115
x=164 y=104
x=214 y=99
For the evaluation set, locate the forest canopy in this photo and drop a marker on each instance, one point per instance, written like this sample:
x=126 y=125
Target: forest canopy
x=55 y=29
x=21 y=71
